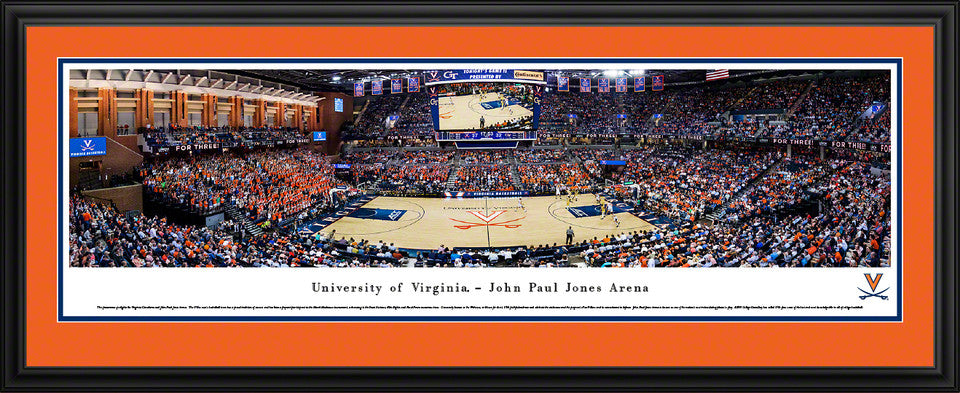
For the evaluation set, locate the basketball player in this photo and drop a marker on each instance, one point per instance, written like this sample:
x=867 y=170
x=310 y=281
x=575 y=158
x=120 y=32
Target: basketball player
x=558 y=191
x=603 y=211
x=520 y=201
x=616 y=220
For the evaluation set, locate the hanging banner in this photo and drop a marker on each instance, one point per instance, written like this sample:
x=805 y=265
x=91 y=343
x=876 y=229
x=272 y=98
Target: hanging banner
x=584 y=85
x=657 y=82
x=413 y=84
x=621 y=85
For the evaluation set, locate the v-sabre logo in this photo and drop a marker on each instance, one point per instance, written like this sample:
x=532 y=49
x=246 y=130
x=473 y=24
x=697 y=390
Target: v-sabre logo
x=873 y=281
x=487 y=221
x=87 y=145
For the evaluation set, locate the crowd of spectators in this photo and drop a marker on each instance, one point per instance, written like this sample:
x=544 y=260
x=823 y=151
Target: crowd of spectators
x=484 y=178
x=852 y=228
x=832 y=107
x=368 y=156
x=425 y=156
x=544 y=179
x=780 y=189
x=540 y=155
x=416 y=179
x=269 y=184
x=485 y=156
x=683 y=184
x=372 y=123
x=829 y=111
x=873 y=130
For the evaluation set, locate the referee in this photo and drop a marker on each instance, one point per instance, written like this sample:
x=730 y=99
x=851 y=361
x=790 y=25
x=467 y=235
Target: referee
x=569 y=235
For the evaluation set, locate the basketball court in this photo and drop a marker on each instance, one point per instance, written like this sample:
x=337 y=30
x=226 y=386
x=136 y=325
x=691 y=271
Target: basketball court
x=464 y=112
x=427 y=223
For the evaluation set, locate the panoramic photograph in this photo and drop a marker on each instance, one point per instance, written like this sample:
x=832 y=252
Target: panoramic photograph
x=408 y=168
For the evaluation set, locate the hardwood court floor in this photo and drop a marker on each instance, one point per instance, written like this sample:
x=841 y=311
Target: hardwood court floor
x=428 y=223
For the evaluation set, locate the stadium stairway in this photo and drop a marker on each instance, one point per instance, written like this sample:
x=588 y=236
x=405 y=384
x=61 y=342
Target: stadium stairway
x=362 y=111
x=515 y=177
x=452 y=177
x=744 y=97
x=800 y=100
x=403 y=105
x=235 y=215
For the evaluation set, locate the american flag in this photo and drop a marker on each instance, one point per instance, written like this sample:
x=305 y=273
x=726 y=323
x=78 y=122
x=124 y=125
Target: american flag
x=718 y=74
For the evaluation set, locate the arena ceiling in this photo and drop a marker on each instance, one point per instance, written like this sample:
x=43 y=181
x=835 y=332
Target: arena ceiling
x=341 y=80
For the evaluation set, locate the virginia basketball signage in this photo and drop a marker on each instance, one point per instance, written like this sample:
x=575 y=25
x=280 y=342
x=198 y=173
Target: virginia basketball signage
x=319 y=136
x=563 y=83
x=492 y=75
x=83 y=147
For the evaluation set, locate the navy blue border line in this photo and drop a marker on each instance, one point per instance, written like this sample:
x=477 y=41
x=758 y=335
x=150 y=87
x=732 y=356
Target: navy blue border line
x=60 y=244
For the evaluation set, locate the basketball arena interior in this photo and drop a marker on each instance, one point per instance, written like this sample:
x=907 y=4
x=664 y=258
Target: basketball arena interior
x=392 y=168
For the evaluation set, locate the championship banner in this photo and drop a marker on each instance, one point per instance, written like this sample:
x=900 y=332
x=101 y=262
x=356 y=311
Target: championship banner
x=584 y=85
x=621 y=85
x=413 y=84
x=603 y=85
x=483 y=75
x=358 y=89
x=657 y=82
x=396 y=86
x=563 y=83
x=639 y=84
x=376 y=87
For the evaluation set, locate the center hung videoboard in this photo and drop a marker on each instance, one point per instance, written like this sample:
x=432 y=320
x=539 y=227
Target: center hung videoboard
x=485 y=103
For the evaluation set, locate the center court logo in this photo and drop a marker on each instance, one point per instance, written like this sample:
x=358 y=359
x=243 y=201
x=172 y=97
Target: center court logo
x=487 y=221
x=873 y=282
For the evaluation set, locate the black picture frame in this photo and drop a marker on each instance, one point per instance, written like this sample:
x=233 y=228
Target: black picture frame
x=19 y=14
